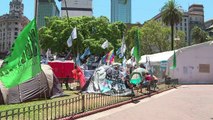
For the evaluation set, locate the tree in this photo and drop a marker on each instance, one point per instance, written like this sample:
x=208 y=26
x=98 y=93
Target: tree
x=198 y=35
x=130 y=40
x=171 y=16
x=89 y=30
x=154 y=37
x=180 y=42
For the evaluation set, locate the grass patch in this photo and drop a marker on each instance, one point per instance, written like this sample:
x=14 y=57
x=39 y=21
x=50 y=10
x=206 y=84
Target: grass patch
x=38 y=101
x=63 y=106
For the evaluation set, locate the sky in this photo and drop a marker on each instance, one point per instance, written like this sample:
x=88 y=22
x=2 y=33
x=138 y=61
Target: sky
x=142 y=10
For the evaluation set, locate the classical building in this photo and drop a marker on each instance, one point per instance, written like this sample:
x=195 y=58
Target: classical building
x=193 y=17
x=11 y=25
x=121 y=11
x=208 y=23
x=209 y=27
x=46 y=8
x=76 y=8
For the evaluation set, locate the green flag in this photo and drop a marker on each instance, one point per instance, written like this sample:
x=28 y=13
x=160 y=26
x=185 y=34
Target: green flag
x=174 y=61
x=136 y=51
x=23 y=62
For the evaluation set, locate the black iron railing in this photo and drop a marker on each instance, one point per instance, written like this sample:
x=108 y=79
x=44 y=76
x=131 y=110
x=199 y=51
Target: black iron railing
x=64 y=108
x=61 y=109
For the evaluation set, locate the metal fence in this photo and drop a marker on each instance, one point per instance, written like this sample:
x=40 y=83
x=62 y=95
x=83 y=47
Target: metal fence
x=68 y=107
x=61 y=109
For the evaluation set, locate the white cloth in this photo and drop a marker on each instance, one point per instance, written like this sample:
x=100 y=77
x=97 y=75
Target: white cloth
x=105 y=44
x=72 y=37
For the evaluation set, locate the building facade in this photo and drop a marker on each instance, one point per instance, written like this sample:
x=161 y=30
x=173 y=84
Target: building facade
x=76 y=8
x=121 y=11
x=208 y=23
x=193 y=17
x=209 y=27
x=11 y=25
x=46 y=8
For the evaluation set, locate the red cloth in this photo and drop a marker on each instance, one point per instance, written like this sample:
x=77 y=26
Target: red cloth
x=148 y=77
x=62 y=69
x=78 y=74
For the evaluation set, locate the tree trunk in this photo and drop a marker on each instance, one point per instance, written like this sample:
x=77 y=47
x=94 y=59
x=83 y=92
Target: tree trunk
x=172 y=36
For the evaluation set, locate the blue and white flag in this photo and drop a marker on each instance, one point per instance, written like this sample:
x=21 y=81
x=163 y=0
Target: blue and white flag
x=124 y=62
x=123 y=46
x=86 y=53
x=118 y=52
x=121 y=51
x=72 y=37
x=78 y=62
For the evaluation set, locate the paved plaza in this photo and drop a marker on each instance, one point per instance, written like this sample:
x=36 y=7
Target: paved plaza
x=187 y=102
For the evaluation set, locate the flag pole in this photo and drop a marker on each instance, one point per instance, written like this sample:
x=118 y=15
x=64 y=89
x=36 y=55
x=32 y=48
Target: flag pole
x=36 y=10
x=68 y=20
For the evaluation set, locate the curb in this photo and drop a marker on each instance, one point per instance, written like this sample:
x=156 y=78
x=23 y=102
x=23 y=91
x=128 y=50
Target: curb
x=80 y=115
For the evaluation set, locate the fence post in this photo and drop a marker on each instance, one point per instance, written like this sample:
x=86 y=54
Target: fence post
x=83 y=102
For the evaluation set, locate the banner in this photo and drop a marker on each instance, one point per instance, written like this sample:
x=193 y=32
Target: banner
x=108 y=81
x=23 y=62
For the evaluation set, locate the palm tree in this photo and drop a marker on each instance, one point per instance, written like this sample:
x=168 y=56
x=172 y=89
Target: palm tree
x=171 y=15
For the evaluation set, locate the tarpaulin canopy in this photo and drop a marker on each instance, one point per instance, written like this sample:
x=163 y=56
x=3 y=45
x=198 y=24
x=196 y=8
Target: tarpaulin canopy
x=157 y=58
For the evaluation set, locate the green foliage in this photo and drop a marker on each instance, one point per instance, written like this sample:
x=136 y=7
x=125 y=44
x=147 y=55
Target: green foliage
x=154 y=37
x=91 y=31
x=180 y=35
x=130 y=40
x=95 y=46
x=171 y=15
x=198 y=35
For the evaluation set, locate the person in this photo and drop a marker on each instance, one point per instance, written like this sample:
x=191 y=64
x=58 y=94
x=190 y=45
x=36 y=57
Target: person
x=150 y=80
x=78 y=75
x=138 y=76
x=142 y=70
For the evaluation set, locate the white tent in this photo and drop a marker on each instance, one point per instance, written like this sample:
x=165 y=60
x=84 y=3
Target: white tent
x=158 y=63
x=194 y=64
x=156 y=59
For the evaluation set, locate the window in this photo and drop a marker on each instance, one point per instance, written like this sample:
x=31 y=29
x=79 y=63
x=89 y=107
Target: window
x=16 y=33
x=16 y=29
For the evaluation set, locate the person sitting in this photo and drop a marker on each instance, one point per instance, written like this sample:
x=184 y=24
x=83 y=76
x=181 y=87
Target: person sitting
x=150 y=80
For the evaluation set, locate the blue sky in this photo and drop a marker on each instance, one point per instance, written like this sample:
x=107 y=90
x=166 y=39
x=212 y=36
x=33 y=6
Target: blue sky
x=142 y=10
